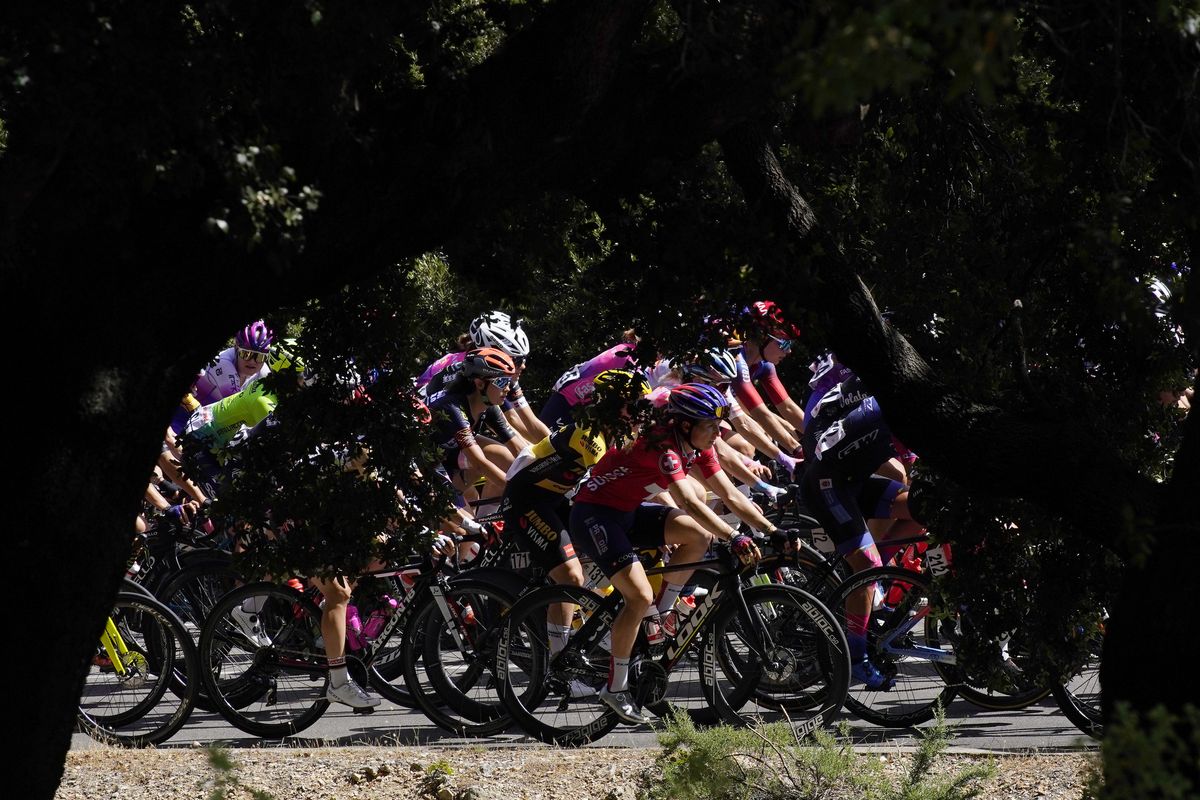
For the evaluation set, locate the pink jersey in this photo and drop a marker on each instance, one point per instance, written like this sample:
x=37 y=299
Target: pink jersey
x=623 y=479
x=438 y=366
x=577 y=384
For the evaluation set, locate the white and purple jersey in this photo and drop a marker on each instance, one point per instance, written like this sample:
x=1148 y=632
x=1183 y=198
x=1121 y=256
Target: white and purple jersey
x=221 y=378
x=827 y=372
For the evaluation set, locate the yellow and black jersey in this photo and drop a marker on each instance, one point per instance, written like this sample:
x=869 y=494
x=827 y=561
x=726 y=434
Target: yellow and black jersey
x=559 y=460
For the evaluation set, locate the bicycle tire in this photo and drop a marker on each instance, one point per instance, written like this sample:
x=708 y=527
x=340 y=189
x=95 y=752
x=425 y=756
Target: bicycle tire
x=919 y=687
x=285 y=680
x=527 y=677
x=808 y=671
x=162 y=641
x=449 y=662
x=191 y=594
x=1080 y=698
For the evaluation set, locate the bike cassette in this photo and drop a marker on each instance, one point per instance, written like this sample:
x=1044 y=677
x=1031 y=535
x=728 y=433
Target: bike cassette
x=781 y=664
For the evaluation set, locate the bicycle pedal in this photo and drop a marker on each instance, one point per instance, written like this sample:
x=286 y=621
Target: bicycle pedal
x=367 y=710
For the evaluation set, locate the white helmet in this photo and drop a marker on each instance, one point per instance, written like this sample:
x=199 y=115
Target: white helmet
x=715 y=365
x=496 y=329
x=1162 y=296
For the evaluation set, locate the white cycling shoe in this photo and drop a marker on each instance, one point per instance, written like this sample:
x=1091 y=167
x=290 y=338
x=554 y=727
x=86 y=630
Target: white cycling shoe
x=622 y=704
x=353 y=695
x=250 y=624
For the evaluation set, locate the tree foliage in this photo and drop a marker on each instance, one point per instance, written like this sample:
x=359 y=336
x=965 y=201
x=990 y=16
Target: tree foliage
x=966 y=201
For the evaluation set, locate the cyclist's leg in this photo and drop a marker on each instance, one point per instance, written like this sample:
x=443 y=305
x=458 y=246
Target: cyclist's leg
x=833 y=500
x=690 y=542
x=604 y=534
x=342 y=688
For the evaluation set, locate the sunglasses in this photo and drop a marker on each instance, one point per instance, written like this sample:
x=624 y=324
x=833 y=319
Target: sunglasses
x=722 y=412
x=784 y=344
x=251 y=355
x=501 y=383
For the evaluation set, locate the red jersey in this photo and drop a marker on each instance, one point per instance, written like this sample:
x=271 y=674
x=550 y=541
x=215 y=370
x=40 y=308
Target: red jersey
x=623 y=479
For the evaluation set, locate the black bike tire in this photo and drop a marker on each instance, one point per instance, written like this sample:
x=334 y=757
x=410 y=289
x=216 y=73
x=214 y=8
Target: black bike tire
x=863 y=710
x=183 y=643
x=191 y=594
x=516 y=702
x=439 y=696
x=1085 y=713
x=228 y=697
x=828 y=639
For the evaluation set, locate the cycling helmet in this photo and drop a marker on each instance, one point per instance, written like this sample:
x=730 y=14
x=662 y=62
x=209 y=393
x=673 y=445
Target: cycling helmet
x=256 y=336
x=622 y=383
x=715 y=365
x=767 y=318
x=698 y=401
x=496 y=329
x=488 y=363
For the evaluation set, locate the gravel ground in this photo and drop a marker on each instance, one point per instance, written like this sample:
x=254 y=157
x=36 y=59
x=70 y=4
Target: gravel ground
x=376 y=773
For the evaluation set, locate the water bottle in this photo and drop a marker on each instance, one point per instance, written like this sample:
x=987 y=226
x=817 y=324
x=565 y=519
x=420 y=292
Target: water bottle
x=653 y=626
x=379 y=617
x=354 y=635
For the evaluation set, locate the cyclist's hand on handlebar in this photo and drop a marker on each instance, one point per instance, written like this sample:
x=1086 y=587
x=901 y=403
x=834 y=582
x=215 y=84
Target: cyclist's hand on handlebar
x=745 y=549
x=442 y=545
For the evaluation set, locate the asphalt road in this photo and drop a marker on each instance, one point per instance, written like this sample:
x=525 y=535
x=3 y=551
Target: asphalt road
x=1040 y=727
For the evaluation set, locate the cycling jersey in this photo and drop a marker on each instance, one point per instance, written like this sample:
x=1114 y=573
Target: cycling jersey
x=534 y=504
x=221 y=378
x=447 y=397
x=846 y=441
x=217 y=424
x=577 y=384
x=557 y=462
x=827 y=372
x=751 y=379
x=624 y=478
x=440 y=365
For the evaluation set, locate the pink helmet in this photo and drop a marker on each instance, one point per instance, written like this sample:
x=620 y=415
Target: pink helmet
x=256 y=336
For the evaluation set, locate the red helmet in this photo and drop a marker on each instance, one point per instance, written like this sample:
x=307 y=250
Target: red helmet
x=766 y=318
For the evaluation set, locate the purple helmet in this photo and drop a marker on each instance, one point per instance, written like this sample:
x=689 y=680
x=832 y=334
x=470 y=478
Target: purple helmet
x=256 y=336
x=698 y=401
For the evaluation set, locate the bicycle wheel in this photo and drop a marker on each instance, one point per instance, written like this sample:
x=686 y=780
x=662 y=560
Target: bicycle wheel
x=191 y=595
x=125 y=699
x=274 y=687
x=1080 y=697
x=903 y=644
x=450 y=655
x=554 y=698
x=680 y=690
x=783 y=643
x=997 y=699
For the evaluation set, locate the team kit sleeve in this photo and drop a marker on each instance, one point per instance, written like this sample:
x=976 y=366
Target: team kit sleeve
x=768 y=379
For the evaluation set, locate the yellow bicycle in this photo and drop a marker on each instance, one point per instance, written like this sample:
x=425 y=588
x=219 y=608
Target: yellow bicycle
x=137 y=692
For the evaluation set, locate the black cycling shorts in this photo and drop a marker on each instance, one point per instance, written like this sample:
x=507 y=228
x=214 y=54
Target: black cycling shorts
x=612 y=538
x=537 y=528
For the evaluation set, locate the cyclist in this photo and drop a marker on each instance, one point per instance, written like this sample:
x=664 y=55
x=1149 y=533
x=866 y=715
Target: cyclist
x=766 y=340
x=496 y=329
x=611 y=523
x=575 y=386
x=848 y=442
x=464 y=398
x=716 y=367
x=235 y=366
x=211 y=429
